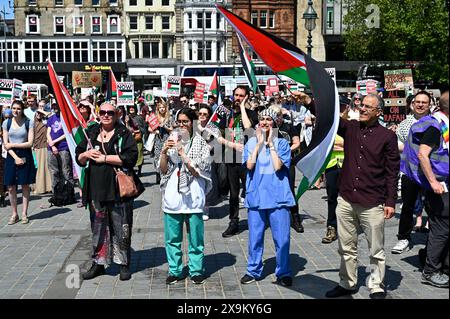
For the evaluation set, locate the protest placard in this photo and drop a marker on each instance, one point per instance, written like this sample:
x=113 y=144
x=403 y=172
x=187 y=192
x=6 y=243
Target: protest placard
x=86 y=79
x=173 y=85
x=6 y=92
x=199 y=92
x=125 y=93
x=398 y=80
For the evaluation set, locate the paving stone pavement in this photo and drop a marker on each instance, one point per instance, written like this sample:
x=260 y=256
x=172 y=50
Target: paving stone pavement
x=42 y=259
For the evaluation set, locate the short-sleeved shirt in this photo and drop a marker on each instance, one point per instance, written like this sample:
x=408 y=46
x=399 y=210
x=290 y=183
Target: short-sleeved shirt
x=17 y=135
x=265 y=188
x=30 y=113
x=431 y=137
x=56 y=130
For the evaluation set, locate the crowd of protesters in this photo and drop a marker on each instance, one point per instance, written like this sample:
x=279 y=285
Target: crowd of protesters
x=370 y=162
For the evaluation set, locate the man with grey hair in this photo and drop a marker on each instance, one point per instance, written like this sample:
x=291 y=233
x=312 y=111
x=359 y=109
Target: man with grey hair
x=367 y=194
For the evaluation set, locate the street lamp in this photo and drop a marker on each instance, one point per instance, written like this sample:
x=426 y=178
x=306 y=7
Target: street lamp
x=5 y=51
x=310 y=17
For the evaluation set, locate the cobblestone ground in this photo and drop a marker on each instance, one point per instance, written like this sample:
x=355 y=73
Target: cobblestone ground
x=40 y=259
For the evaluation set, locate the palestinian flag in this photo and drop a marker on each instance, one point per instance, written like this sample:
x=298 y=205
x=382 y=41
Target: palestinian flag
x=249 y=67
x=220 y=113
x=284 y=58
x=72 y=122
x=213 y=88
x=111 y=86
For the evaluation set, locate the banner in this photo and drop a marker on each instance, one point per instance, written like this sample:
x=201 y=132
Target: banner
x=86 y=79
x=365 y=87
x=125 y=93
x=199 y=92
x=152 y=121
x=398 y=80
x=17 y=89
x=6 y=92
x=173 y=85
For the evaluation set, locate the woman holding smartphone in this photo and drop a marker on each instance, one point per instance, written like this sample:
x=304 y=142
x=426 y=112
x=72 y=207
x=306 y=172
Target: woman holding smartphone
x=185 y=164
x=18 y=135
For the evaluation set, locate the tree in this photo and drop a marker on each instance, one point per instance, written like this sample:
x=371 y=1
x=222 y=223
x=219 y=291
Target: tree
x=408 y=30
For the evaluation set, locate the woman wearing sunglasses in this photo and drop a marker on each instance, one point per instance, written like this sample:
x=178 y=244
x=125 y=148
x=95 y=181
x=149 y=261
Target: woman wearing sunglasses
x=184 y=164
x=113 y=147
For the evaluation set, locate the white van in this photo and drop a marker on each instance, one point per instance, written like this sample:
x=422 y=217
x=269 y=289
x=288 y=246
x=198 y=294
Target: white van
x=40 y=90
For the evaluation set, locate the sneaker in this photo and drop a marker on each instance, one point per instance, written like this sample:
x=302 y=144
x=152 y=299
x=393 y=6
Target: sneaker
x=125 y=273
x=171 y=279
x=284 y=281
x=198 y=280
x=232 y=230
x=436 y=279
x=401 y=246
x=205 y=217
x=330 y=236
x=95 y=271
x=339 y=291
x=247 y=279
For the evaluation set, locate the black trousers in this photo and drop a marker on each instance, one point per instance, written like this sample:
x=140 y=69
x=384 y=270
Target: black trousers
x=410 y=191
x=331 y=176
x=236 y=174
x=294 y=209
x=437 y=244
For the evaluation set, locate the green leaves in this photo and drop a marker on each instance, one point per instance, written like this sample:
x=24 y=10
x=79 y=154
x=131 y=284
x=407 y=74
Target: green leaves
x=409 y=30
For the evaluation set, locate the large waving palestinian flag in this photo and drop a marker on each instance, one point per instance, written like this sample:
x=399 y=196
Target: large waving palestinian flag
x=249 y=67
x=284 y=58
x=73 y=122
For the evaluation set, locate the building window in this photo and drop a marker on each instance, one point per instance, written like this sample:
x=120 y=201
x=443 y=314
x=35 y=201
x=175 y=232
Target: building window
x=165 y=22
x=113 y=24
x=32 y=24
x=190 y=55
x=199 y=51
x=95 y=2
x=136 y=50
x=78 y=2
x=150 y=50
x=330 y=18
x=271 y=19
x=149 y=22
x=218 y=50
x=165 y=2
x=59 y=2
x=199 y=20
x=189 y=18
x=208 y=18
x=148 y=2
x=106 y=51
x=133 y=3
x=255 y=18
x=96 y=25
x=263 y=19
x=59 y=25
x=208 y=50
x=78 y=25
x=12 y=49
x=166 y=50
x=134 y=23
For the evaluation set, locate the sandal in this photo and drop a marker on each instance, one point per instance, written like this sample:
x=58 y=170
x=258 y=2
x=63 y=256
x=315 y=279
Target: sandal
x=13 y=220
x=25 y=220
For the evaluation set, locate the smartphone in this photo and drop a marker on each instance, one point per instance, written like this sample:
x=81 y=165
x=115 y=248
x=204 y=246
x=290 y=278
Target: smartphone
x=444 y=185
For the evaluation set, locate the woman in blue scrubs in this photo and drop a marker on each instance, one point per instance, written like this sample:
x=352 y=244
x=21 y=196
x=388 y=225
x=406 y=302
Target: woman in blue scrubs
x=268 y=198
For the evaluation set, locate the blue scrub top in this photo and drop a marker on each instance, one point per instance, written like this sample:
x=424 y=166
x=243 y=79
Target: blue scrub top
x=265 y=188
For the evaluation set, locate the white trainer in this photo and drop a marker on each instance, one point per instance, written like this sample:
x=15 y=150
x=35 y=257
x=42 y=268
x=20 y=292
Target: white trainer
x=205 y=217
x=401 y=246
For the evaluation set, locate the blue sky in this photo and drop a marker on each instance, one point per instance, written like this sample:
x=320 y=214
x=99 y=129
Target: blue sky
x=8 y=10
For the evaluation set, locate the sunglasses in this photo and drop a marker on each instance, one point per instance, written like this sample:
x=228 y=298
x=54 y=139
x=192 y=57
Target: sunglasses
x=185 y=122
x=82 y=106
x=203 y=113
x=109 y=113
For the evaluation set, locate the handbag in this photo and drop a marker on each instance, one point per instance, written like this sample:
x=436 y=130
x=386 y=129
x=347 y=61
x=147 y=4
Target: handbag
x=149 y=144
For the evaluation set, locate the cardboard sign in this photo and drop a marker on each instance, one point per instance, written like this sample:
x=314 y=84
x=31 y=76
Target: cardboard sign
x=230 y=85
x=125 y=93
x=398 y=80
x=394 y=110
x=6 y=92
x=199 y=92
x=365 y=87
x=17 y=89
x=152 y=121
x=173 y=86
x=272 y=86
x=86 y=79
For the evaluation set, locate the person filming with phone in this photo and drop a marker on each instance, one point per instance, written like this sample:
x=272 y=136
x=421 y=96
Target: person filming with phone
x=18 y=136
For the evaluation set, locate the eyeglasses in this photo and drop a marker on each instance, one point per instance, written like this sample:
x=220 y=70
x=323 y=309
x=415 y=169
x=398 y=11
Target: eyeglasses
x=82 y=106
x=109 y=113
x=367 y=107
x=185 y=122
x=183 y=101
x=357 y=98
x=203 y=113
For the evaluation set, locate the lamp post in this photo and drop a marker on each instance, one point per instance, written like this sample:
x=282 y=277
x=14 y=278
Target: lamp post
x=310 y=17
x=5 y=51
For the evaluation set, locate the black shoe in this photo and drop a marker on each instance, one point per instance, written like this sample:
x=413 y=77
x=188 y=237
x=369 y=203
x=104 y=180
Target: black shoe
x=378 y=295
x=2 y=201
x=284 y=281
x=198 y=280
x=297 y=223
x=125 y=273
x=339 y=291
x=95 y=271
x=172 y=279
x=232 y=229
x=247 y=279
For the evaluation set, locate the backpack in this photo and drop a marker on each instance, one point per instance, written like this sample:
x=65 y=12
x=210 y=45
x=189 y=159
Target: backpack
x=9 y=123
